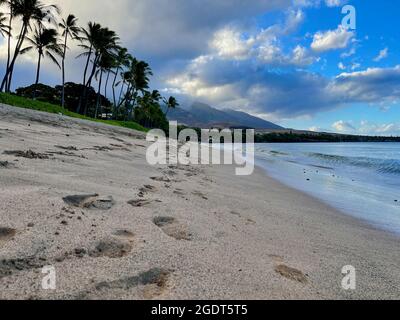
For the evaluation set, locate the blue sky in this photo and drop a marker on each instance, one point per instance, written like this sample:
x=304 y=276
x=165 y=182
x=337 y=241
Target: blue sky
x=288 y=61
x=376 y=31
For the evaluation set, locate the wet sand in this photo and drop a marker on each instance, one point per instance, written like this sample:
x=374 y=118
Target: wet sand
x=80 y=196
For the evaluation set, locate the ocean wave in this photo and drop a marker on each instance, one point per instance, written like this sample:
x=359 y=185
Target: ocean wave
x=391 y=166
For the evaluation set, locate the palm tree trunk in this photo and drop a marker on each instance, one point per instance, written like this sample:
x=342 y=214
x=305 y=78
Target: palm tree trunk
x=94 y=67
x=133 y=103
x=120 y=94
x=89 y=83
x=63 y=71
x=78 y=109
x=87 y=64
x=9 y=43
x=37 y=75
x=106 y=86
x=98 y=94
x=16 y=54
x=113 y=87
x=10 y=69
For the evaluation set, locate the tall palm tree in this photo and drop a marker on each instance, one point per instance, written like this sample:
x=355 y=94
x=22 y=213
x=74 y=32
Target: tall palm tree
x=122 y=60
x=137 y=78
x=44 y=41
x=105 y=43
x=171 y=103
x=105 y=65
x=97 y=41
x=28 y=11
x=69 y=30
x=88 y=41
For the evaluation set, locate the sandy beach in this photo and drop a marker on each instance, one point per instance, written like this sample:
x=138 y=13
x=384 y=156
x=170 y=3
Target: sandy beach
x=80 y=196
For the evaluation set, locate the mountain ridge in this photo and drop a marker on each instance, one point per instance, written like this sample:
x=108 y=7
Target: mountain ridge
x=204 y=116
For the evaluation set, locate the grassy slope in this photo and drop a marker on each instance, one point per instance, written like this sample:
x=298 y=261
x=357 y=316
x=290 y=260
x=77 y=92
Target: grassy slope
x=20 y=102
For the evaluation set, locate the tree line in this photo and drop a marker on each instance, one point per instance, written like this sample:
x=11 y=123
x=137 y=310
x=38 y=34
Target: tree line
x=293 y=137
x=40 y=28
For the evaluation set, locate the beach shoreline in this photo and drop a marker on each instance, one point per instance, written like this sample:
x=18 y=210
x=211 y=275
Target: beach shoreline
x=166 y=232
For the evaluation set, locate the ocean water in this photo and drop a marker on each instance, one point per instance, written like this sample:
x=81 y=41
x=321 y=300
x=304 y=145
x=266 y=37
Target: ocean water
x=359 y=179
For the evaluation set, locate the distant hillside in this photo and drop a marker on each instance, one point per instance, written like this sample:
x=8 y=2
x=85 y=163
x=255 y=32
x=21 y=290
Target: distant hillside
x=203 y=116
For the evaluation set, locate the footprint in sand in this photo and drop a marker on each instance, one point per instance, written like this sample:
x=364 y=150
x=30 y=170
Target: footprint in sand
x=26 y=154
x=7 y=233
x=291 y=273
x=9 y=266
x=112 y=249
x=153 y=282
x=172 y=228
x=161 y=179
x=179 y=192
x=146 y=189
x=139 y=203
x=236 y=214
x=93 y=201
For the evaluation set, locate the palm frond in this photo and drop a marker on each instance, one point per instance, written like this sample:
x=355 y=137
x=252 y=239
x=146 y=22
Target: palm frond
x=52 y=58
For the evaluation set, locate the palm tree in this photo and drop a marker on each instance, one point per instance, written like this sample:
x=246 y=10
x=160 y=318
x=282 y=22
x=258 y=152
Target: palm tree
x=156 y=96
x=105 y=65
x=89 y=36
x=70 y=29
x=137 y=78
x=122 y=60
x=123 y=83
x=88 y=41
x=105 y=43
x=171 y=103
x=44 y=41
x=28 y=11
x=100 y=42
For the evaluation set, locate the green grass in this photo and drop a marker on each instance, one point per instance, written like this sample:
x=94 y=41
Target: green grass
x=25 y=103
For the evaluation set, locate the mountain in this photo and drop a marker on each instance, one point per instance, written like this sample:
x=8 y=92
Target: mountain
x=201 y=115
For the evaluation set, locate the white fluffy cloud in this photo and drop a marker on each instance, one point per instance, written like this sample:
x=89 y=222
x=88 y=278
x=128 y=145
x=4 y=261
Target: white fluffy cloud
x=332 y=39
x=343 y=126
x=264 y=45
x=374 y=85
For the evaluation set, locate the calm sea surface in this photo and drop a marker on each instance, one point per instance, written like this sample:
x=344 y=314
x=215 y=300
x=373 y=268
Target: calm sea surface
x=360 y=179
